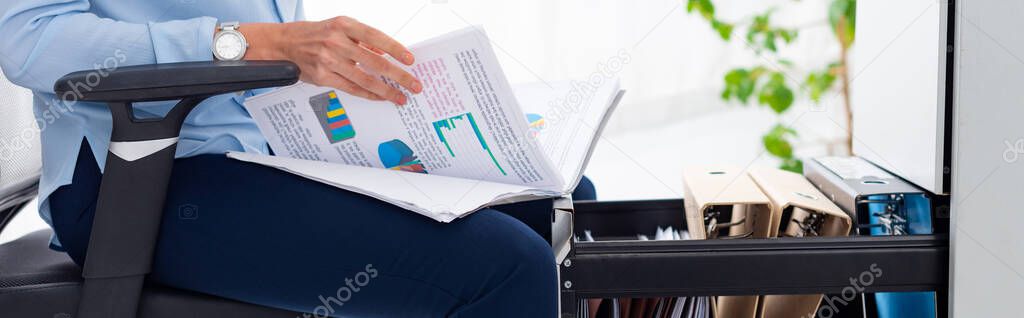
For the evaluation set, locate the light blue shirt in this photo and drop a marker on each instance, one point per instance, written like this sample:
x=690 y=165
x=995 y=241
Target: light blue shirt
x=42 y=40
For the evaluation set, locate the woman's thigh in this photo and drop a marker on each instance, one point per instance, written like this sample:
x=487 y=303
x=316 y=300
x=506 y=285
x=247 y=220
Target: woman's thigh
x=260 y=235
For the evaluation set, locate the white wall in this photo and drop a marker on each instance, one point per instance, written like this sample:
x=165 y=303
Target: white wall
x=987 y=240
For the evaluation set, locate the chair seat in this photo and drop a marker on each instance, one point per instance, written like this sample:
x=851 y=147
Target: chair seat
x=38 y=282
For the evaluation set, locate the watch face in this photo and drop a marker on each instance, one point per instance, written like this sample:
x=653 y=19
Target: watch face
x=229 y=46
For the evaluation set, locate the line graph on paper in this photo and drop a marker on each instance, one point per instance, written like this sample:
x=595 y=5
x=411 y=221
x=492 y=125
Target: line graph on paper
x=461 y=136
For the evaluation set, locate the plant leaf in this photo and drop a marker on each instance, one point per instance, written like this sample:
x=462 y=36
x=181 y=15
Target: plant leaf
x=776 y=94
x=724 y=29
x=818 y=83
x=769 y=41
x=740 y=83
x=793 y=165
x=704 y=7
x=842 y=16
x=777 y=145
x=746 y=89
x=787 y=35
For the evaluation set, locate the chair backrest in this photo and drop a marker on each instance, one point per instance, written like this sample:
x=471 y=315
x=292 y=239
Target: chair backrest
x=20 y=159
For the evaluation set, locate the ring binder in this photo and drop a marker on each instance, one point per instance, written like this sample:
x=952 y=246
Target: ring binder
x=720 y=198
x=798 y=210
x=881 y=204
x=855 y=184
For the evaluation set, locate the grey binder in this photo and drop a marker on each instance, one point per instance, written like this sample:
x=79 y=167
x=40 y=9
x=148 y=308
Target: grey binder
x=853 y=183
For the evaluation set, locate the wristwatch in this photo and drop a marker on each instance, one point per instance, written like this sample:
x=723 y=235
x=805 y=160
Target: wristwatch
x=228 y=43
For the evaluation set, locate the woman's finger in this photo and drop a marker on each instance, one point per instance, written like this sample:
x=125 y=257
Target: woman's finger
x=340 y=82
x=380 y=65
x=371 y=48
x=367 y=34
x=371 y=83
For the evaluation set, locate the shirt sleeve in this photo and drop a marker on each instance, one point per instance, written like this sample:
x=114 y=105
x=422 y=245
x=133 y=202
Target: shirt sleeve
x=46 y=39
x=300 y=12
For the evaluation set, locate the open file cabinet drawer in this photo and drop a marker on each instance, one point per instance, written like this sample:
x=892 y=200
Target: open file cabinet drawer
x=617 y=265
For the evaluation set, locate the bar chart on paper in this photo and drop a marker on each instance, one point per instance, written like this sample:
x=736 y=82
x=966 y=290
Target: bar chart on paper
x=332 y=116
x=461 y=137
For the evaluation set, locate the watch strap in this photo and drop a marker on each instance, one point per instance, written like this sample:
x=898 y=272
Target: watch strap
x=229 y=26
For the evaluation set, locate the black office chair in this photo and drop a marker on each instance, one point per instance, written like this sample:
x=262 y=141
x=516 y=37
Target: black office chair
x=38 y=282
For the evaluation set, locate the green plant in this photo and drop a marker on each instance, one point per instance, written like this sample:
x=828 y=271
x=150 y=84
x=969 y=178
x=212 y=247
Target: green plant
x=770 y=83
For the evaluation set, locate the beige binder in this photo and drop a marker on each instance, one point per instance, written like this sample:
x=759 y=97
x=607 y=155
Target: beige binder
x=798 y=209
x=720 y=198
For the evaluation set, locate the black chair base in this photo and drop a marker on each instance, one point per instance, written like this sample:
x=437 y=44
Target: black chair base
x=38 y=282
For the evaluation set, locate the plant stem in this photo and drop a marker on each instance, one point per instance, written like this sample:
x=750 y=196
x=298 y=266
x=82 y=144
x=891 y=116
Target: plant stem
x=844 y=75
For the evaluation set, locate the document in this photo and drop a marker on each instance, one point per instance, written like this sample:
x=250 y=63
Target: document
x=462 y=144
x=669 y=307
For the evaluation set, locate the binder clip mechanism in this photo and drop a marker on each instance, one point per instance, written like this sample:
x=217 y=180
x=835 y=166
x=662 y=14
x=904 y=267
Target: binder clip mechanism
x=809 y=226
x=712 y=217
x=893 y=219
x=803 y=223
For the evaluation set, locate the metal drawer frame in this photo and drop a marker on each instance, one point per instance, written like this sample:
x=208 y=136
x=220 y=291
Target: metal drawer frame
x=621 y=268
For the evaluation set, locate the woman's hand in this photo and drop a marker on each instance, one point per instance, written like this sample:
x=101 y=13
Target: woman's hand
x=328 y=51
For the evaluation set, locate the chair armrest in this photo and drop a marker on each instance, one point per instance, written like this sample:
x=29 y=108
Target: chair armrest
x=138 y=167
x=175 y=80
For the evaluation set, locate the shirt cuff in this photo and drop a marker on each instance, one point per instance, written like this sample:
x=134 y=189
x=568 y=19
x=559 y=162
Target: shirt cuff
x=183 y=40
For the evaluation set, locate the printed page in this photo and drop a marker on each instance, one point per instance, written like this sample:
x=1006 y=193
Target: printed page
x=566 y=118
x=465 y=124
x=441 y=198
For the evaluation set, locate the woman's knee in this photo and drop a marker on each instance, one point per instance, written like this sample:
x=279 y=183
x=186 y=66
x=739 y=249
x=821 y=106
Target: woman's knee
x=516 y=248
x=585 y=190
x=520 y=279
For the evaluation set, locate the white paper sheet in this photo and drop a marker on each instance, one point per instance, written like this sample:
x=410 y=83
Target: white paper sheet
x=466 y=123
x=572 y=115
x=438 y=197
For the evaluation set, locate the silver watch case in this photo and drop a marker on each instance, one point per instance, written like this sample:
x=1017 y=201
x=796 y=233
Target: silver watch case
x=229 y=28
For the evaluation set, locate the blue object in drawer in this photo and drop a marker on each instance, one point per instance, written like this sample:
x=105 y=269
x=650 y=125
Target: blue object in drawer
x=913 y=216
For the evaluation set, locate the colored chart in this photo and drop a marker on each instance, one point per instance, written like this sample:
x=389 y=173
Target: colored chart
x=333 y=118
x=448 y=127
x=396 y=155
x=536 y=123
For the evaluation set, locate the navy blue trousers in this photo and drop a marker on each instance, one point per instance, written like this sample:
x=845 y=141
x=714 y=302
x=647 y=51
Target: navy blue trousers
x=260 y=235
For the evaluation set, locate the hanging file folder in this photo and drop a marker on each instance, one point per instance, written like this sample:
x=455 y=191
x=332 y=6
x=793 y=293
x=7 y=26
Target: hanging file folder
x=882 y=204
